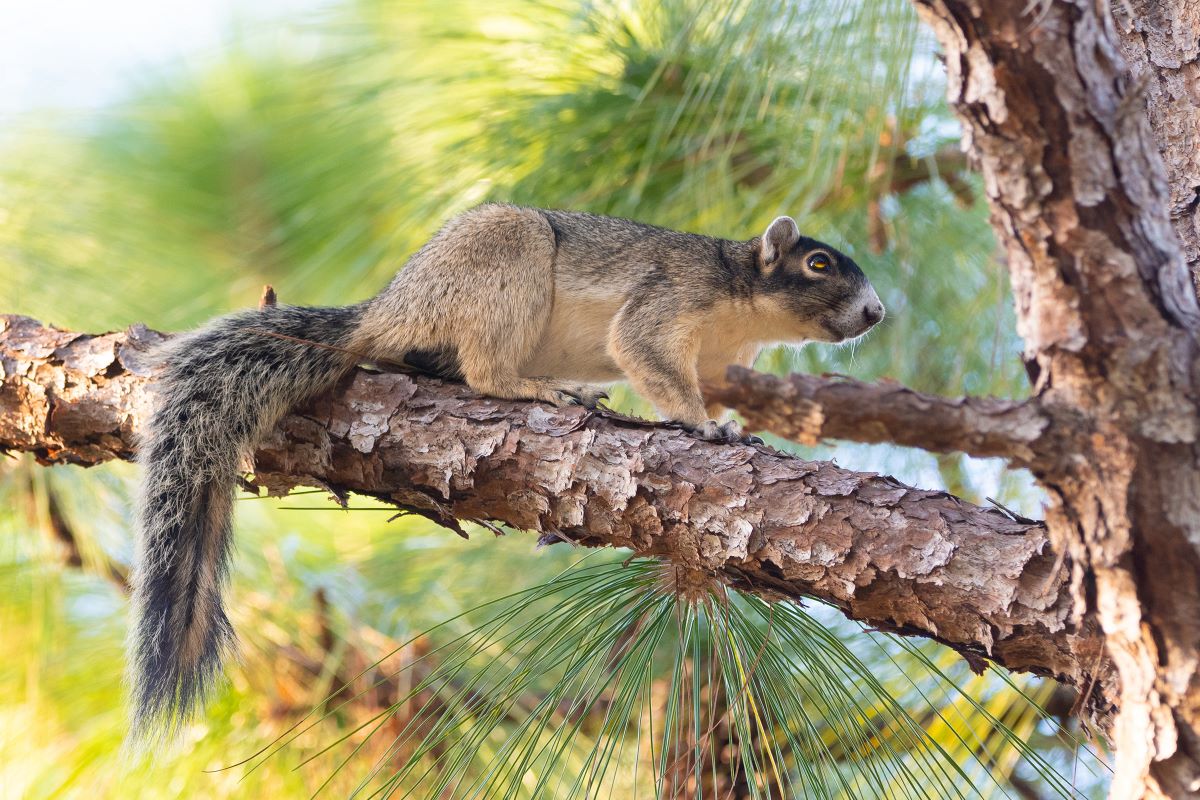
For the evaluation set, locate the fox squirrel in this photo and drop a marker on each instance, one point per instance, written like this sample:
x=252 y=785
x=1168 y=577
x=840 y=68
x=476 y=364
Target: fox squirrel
x=519 y=303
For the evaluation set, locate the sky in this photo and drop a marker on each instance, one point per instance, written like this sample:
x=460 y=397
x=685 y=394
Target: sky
x=78 y=55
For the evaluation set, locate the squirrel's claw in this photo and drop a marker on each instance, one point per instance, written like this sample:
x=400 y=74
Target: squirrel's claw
x=728 y=433
x=713 y=431
x=585 y=396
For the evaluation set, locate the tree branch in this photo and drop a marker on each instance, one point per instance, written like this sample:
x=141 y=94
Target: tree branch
x=917 y=562
x=809 y=408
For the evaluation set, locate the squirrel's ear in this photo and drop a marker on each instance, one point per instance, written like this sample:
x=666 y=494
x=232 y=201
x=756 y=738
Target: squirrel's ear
x=778 y=240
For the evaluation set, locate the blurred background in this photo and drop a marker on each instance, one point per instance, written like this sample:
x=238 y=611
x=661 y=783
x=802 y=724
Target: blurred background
x=159 y=163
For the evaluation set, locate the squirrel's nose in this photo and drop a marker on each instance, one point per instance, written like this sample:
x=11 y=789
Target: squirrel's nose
x=872 y=312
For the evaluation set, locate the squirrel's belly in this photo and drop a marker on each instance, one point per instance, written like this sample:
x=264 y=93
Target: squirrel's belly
x=574 y=343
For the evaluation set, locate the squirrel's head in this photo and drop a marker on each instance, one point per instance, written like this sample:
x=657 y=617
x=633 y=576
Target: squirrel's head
x=820 y=288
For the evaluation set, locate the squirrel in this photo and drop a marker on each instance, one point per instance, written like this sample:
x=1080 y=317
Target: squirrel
x=519 y=303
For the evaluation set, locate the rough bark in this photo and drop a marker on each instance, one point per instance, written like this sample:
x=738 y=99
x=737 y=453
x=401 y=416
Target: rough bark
x=1160 y=40
x=898 y=558
x=808 y=408
x=1108 y=313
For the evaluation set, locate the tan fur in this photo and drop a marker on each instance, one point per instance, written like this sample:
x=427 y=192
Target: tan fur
x=554 y=305
x=568 y=346
x=662 y=369
x=735 y=331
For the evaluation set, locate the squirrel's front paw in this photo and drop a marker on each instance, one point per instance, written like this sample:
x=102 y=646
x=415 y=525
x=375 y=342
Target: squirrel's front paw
x=713 y=431
x=587 y=396
x=730 y=432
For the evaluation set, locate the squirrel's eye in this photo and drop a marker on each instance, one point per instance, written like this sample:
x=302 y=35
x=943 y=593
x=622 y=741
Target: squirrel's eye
x=818 y=261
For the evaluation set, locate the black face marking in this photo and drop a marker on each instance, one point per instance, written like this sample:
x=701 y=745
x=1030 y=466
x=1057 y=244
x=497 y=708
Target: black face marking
x=818 y=282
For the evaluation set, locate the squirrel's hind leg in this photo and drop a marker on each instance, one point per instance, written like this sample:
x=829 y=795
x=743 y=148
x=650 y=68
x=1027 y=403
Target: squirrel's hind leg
x=507 y=257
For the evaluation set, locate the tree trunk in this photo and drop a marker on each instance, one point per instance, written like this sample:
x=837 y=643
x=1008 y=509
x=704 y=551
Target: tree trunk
x=1080 y=204
x=1161 y=43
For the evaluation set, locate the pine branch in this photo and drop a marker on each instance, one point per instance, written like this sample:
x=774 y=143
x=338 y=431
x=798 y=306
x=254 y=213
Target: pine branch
x=808 y=408
x=917 y=562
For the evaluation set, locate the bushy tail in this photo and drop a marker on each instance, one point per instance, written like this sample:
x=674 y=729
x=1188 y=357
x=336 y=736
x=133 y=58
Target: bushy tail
x=221 y=389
